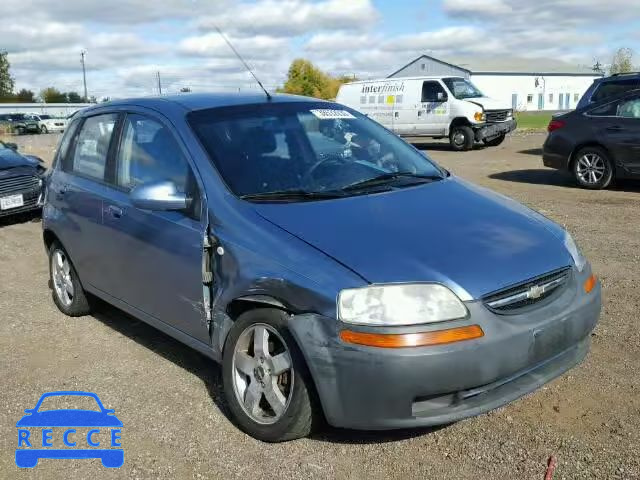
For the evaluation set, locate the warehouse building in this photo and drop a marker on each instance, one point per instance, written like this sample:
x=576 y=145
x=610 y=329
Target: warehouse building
x=526 y=87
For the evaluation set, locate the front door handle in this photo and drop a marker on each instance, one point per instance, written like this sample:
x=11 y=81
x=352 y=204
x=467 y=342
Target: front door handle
x=614 y=128
x=115 y=212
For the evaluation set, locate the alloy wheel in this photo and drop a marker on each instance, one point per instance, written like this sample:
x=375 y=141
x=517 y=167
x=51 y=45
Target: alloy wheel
x=61 y=276
x=262 y=373
x=591 y=168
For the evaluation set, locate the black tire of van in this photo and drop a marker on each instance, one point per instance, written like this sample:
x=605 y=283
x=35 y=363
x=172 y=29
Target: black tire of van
x=302 y=413
x=494 y=142
x=461 y=138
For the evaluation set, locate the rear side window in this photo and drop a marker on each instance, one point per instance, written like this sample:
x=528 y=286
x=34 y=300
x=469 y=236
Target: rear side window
x=615 y=87
x=65 y=143
x=92 y=146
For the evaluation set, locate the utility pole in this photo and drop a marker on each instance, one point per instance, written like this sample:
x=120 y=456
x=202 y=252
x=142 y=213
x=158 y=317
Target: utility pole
x=84 y=74
x=159 y=83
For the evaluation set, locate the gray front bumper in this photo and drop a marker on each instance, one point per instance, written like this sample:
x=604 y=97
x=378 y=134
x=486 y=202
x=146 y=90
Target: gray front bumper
x=374 y=388
x=489 y=131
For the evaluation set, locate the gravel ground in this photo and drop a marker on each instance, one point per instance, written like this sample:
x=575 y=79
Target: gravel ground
x=170 y=401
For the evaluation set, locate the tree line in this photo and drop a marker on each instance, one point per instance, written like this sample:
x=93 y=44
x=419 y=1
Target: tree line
x=46 y=95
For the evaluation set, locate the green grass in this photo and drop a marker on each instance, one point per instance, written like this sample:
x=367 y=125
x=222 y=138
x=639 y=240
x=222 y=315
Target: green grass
x=533 y=120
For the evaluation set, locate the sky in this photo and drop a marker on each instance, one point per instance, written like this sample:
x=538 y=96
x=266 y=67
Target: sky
x=128 y=41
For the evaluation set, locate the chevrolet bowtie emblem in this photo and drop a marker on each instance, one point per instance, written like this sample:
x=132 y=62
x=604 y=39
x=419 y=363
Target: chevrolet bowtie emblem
x=535 y=292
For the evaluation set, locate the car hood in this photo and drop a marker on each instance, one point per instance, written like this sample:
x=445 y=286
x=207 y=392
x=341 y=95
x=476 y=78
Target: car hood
x=448 y=231
x=489 y=103
x=11 y=159
x=69 y=418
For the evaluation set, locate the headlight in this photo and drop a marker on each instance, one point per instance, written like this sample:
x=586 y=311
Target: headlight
x=479 y=116
x=402 y=304
x=575 y=252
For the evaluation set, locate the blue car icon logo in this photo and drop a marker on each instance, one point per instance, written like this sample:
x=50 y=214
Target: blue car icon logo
x=84 y=433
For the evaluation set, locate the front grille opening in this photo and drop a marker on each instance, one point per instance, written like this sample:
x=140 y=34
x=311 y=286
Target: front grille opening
x=529 y=293
x=496 y=115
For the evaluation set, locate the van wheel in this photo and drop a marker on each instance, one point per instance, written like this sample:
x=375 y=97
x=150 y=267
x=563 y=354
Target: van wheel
x=592 y=168
x=461 y=138
x=68 y=294
x=266 y=382
x=494 y=142
x=43 y=129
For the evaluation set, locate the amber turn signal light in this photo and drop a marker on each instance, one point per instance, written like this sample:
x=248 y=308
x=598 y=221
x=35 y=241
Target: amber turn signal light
x=420 y=339
x=590 y=283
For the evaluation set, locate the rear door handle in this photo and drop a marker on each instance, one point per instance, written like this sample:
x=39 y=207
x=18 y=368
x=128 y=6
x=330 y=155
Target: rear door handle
x=115 y=212
x=614 y=128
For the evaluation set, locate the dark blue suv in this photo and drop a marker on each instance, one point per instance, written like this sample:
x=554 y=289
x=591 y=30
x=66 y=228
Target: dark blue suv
x=333 y=269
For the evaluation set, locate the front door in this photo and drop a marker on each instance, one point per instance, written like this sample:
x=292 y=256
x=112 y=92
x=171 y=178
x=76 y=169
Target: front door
x=156 y=256
x=433 y=111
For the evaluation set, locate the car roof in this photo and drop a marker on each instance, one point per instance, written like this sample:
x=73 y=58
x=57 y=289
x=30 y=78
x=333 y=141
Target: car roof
x=202 y=101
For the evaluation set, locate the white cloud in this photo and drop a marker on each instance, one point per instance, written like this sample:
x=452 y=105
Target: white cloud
x=293 y=17
x=213 y=45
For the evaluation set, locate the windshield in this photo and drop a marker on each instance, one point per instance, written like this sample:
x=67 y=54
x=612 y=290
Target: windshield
x=462 y=88
x=304 y=147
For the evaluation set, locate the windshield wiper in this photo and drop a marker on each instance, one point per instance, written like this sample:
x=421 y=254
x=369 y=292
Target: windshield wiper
x=389 y=177
x=291 y=195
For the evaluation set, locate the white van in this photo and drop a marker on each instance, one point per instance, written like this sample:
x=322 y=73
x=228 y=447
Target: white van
x=434 y=107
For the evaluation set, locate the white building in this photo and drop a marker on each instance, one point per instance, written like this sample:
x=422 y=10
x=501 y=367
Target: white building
x=53 y=109
x=526 y=87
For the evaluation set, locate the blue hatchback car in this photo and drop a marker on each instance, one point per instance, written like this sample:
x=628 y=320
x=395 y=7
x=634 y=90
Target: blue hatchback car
x=334 y=270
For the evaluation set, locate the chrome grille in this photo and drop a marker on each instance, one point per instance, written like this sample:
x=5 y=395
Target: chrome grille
x=528 y=293
x=497 y=115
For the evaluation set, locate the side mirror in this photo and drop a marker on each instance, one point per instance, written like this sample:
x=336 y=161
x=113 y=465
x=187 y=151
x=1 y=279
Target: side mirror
x=442 y=97
x=162 y=195
x=12 y=146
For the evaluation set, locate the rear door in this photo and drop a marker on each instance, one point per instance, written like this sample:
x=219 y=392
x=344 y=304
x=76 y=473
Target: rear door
x=617 y=126
x=155 y=256
x=75 y=194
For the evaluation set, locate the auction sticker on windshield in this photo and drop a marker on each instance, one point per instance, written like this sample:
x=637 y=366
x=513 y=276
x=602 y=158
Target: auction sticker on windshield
x=331 y=114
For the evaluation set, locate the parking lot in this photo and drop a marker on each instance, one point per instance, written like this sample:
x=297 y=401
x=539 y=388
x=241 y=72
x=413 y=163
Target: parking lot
x=170 y=401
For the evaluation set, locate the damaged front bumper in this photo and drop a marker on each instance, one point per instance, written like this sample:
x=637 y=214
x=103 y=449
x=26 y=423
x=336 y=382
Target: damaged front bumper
x=489 y=131
x=384 y=388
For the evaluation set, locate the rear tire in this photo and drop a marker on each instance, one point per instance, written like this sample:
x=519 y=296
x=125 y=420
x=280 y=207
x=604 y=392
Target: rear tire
x=461 y=138
x=592 y=168
x=20 y=130
x=252 y=384
x=494 y=142
x=67 y=291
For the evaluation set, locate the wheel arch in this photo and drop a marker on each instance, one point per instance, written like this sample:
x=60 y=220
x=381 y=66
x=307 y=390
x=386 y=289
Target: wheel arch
x=48 y=237
x=574 y=154
x=459 y=121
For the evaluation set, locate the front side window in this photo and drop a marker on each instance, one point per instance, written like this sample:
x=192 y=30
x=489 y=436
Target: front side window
x=149 y=153
x=430 y=91
x=92 y=146
x=305 y=147
x=614 y=87
x=462 y=88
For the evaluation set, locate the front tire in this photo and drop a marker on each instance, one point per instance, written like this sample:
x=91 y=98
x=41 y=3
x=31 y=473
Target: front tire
x=68 y=294
x=494 y=142
x=266 y=382
x=593 y=168
x=43 y=129
x=461 y=138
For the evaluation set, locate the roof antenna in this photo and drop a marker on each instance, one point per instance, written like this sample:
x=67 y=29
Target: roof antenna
x=243 y=63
